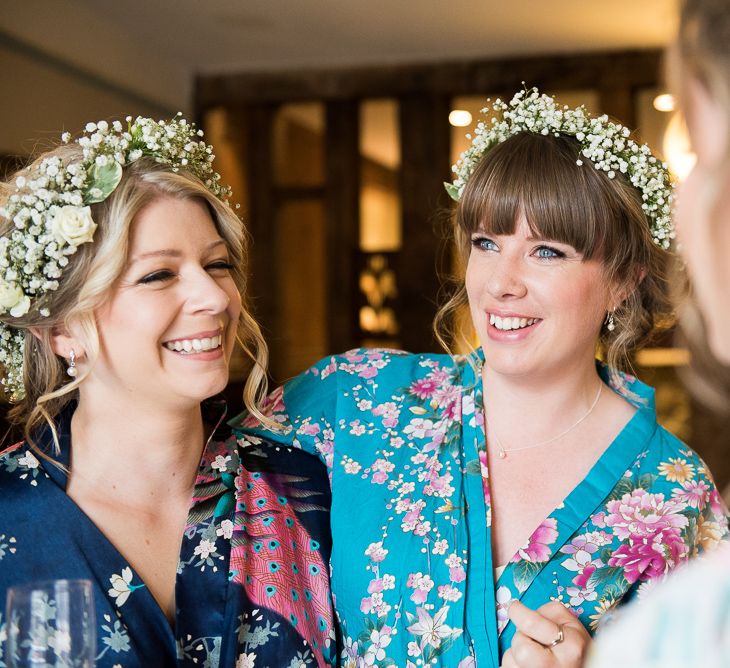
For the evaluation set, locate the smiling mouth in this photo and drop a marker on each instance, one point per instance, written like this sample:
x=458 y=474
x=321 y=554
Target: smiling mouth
x=508 y=323
x=192 y=346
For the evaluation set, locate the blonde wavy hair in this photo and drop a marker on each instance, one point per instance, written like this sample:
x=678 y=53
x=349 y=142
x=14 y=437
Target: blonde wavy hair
x=601 y=218
x=95 y=267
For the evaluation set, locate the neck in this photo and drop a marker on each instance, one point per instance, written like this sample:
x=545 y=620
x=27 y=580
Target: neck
x=522 y=410
x=116 y=441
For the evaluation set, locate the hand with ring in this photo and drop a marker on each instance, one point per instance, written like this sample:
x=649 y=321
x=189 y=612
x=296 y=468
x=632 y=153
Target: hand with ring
x=549 y=637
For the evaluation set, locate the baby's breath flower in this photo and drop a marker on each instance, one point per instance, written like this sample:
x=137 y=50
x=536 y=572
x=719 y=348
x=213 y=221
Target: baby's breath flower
x=51 y=215
x=606 y=145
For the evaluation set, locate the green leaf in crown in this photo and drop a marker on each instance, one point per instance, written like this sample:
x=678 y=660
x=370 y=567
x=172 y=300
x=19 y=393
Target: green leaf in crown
x=452 y=190
x=103 y=179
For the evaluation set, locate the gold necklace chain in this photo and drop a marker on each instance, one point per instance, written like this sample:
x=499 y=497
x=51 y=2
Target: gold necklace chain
x=503 y=451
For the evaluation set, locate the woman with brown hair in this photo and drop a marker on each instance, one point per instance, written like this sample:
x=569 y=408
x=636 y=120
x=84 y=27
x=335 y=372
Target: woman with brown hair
x=687 y=622
x=122 y=284
x=489 y=509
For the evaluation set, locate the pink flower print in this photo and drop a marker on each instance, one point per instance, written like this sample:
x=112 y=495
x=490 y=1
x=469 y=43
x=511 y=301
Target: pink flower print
x=274 y=403
x=582 y=592
x=448 y=398
x=537 y=549
x=353 y=356
x=599 y=520
x=435 y=443
x=376 y=552
x=643 y=515
x=368 y=372
x=366 y=605
x=419 y=428
x=424 y=388
x=648 y=559
x=694 y=493
x=448 y=593
x=271 y=406
x=485 y=477
x=379 y=477
x=389 y=411
x=421 y=584
x=439 y=485
x=504 y=598
x=329 y=369
x=717 y=505
x=457 y=573
x=309 y=429
x=581 y=580
x=581 y=550
x=357 y=429
x=412 y=518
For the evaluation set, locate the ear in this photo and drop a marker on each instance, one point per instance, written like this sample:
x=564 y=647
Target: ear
x=620 y=292
x=62 y=342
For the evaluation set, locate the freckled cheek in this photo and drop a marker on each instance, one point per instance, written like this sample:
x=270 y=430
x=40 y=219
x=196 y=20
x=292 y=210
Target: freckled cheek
x=585 y=307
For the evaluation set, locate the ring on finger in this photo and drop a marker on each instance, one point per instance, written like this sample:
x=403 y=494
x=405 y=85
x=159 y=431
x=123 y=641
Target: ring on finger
x=558 y=639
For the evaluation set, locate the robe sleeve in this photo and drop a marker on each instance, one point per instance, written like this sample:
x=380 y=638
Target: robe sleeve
x=305 y=410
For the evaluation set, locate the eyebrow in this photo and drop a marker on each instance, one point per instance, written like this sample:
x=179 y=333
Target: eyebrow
x=172 y=252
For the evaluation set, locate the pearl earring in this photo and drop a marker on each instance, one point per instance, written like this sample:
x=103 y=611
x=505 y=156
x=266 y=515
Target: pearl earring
x=610 y=324
x=72 y=371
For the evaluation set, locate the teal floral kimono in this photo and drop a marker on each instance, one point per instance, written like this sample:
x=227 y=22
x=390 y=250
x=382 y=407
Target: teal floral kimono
x=412 y=569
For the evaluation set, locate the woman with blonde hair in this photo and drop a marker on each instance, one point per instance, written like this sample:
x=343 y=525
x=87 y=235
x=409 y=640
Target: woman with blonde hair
x=687 y=621
x=488 y=509
x=122 y=276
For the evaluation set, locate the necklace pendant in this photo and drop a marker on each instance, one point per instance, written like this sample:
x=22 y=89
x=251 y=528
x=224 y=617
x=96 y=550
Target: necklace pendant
x=502 y=453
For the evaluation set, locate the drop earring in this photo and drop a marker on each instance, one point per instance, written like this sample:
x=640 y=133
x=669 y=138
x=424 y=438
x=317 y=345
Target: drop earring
x=610 y=324
x=71 y=370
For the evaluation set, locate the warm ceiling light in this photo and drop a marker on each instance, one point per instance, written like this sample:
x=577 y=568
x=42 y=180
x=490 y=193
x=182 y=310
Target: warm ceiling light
x=677 y=150
x=460 y=118
x=664 y=102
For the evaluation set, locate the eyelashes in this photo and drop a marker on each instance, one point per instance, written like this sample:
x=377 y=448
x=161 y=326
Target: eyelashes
x=542 y=252
x=164 y=275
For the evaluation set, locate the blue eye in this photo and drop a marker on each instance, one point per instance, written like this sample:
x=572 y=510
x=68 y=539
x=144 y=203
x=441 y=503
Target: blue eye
x=545 y=252
x=483 y=243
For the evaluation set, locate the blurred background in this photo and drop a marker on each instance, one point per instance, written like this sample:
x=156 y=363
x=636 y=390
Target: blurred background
x=336 y=123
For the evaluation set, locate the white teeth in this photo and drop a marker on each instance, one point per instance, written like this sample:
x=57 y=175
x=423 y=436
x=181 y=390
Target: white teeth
x=194 y=345
x=509 y=323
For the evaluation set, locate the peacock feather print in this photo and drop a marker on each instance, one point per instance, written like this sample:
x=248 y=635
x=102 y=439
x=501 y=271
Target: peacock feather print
x=276 y=560
x=273 y=557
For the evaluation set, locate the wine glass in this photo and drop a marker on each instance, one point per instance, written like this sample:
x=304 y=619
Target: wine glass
x=51 y=624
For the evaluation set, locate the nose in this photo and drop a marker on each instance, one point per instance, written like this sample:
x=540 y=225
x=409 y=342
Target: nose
x=205 y=294
x=506 y=279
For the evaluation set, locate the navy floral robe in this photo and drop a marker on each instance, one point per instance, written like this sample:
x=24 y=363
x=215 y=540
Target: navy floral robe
x=252 y=587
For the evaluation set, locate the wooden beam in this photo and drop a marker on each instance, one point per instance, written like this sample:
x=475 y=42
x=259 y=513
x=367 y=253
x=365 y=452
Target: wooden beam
x=425 y=149
x=258 y=120
x=342 y=211
x=635 y=69
x=618 y=102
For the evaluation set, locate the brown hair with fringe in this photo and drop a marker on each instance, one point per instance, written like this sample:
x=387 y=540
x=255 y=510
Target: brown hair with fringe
x=538 y=176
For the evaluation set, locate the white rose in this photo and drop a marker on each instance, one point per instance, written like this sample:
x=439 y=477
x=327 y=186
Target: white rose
x=13 y=299
x=73 y=225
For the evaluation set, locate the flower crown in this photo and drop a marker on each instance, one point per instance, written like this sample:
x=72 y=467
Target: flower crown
x=605 y=144
x=51 y=215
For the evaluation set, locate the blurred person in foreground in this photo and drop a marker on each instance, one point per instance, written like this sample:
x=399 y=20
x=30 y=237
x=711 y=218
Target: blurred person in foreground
x=489 y=508
x=686 y=622
x=122 y=276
